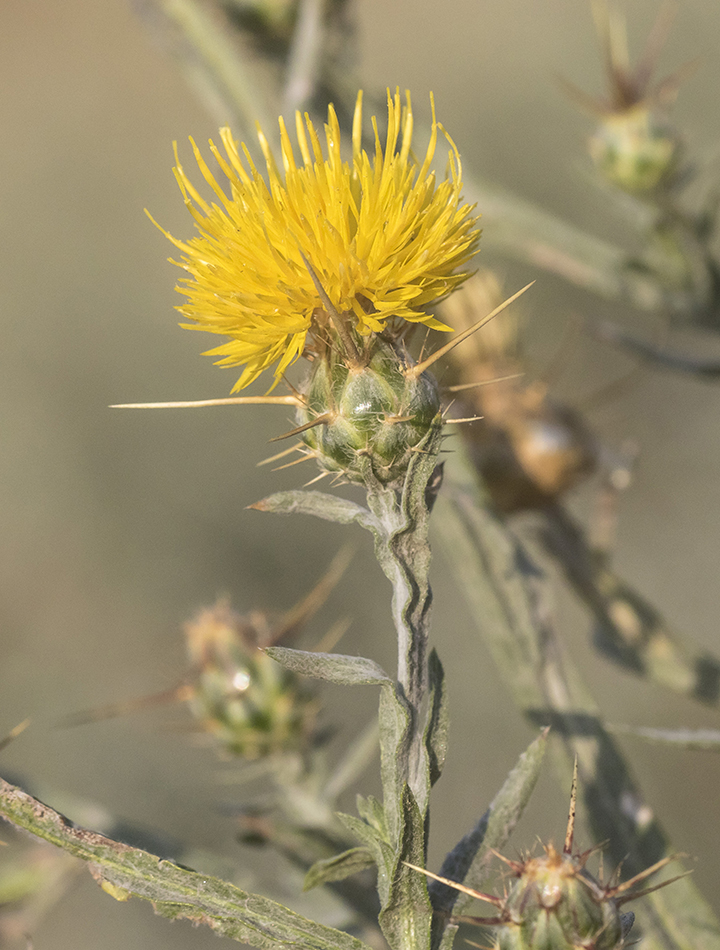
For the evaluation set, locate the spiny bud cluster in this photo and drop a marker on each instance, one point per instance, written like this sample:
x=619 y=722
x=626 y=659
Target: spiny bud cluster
x=556 y=903
x=367 y=405
x=635 y=146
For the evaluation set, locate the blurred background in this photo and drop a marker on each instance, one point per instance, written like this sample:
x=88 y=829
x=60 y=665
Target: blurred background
x=116 y=527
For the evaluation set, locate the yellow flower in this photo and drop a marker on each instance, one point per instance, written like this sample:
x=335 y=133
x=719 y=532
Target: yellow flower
x=383 y=237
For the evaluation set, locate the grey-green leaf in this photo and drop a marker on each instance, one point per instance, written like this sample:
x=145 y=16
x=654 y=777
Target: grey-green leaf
x=707 y=740
x=394 y=718
x=406 y=917
x=374 y=839
x=467 y=862
x=320 y=504
x=333 y=667
x=175 y=892
x=373 y=812
x=436 y=728
x=338 y=868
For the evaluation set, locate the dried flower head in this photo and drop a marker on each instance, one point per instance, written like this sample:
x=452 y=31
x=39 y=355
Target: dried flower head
x=531 y=448
x=383 y=237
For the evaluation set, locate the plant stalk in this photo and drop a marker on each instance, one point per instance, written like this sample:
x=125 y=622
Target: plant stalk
x=403 y=552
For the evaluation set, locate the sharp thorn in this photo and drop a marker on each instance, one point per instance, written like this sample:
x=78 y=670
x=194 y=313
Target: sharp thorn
x=280 y=455
x=321 y=420
x=488 y=898
x=420 y=368
x=317 y=478
x=305 y=458
x=229 y=401
x=483 y=382
x=649 y=890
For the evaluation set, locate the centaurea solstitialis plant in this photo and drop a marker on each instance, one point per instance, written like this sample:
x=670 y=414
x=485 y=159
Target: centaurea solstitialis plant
x=336 y=260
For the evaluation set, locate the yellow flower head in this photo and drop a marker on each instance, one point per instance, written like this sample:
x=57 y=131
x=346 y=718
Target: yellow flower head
x=382 y=236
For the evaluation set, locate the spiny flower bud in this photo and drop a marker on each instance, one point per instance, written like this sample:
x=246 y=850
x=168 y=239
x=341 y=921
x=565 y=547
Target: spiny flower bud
x=379 y=410
x=556 y=904
x=530 y=448
x=250 y=703
x=636 y=150
x=635 y=147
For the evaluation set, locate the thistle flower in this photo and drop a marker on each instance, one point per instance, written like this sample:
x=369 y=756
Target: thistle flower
x=332 y=260
x=380 y=235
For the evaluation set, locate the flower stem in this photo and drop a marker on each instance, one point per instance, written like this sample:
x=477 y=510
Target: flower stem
x=403 y=552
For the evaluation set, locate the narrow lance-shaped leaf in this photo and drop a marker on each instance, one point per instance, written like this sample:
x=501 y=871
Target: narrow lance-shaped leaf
x=333 y=667
x=467 y=862
x=705 y=740
x=394 y=718
x=436 y=728
x=338 y=868
x=320 y=504
x=406 y=916
x=175 y=892
x=374 y=837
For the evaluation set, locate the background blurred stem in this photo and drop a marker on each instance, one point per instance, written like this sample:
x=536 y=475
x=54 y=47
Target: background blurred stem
x=630 y=630
x=525 y=231
x=212 y=48
x=304 y=60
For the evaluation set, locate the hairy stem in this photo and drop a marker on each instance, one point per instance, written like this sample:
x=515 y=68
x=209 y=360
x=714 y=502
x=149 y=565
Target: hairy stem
x=403 y=552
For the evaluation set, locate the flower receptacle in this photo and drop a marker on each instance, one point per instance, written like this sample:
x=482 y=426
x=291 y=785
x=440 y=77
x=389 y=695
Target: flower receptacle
x=378 y=411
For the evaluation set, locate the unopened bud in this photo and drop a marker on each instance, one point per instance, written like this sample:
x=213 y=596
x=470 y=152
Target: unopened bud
x=252 y=705
x=556 y=904
x=636 y=150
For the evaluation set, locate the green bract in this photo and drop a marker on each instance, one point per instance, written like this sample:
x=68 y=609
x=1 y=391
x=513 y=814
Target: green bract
x=379 y=411
x=555 y=904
